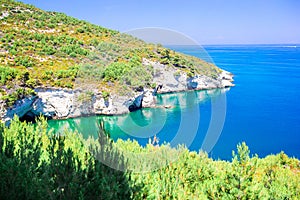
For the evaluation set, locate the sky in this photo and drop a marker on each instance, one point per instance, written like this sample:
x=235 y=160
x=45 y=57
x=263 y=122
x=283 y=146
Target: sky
x=204 y=21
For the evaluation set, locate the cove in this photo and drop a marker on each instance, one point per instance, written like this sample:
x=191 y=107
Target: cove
x=178 y=118
x=262 y=109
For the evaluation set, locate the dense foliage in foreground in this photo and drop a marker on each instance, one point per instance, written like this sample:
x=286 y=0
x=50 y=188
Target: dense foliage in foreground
x=37 y=164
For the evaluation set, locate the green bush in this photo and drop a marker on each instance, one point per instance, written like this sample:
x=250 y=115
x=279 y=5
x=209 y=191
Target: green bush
x=105 y=95
x=7 y=74
x=115 y=70
x=80 y=30
x=137 y=77
x=74 y=50
x=36 y=163
x=85 y=97
x=25 y=61
x=20 y=93
x=48 y=50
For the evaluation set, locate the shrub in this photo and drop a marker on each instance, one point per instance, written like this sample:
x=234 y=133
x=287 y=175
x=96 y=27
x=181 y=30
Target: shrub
x=74 y=50
x=86 y=96
x=48 y=50
x=137 y=77
x=19 y=93
x=38 y=163
x=25 y=61
x=94 y=42
x=80 y=30
x=115 y=70
x=7 y=74
x=105 y=95
x=73 y=54
x=153 y=85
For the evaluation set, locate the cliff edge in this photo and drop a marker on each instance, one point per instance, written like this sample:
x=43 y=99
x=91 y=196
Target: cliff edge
x=58 y=66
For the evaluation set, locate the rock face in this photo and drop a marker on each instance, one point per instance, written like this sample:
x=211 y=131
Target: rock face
x=20 y=108
x=170 y=80
x=62 y=103
x=53 y=102
x=66 y=103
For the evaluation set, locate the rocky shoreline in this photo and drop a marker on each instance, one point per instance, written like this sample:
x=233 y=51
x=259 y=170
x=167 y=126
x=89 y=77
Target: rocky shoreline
x=61 y=103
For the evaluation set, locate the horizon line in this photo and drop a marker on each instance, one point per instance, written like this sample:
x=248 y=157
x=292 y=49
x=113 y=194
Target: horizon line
x=234 y=44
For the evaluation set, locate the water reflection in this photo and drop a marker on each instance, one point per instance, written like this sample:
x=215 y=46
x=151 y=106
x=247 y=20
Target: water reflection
x=163 y=120
x=186 y=99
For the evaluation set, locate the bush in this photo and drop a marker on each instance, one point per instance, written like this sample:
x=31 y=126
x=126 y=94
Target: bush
x=10 y=99
x=80 y=30
x=137 y=77
x=85 y=97
x=105 y=95
x=115 y=70
x=25 y=61
x=48 y=50
x=74 y=50
x=36 y=163
x=7 y=74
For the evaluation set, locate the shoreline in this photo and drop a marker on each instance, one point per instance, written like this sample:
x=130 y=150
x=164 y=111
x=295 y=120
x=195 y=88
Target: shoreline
x=167 y=106
x=62 y=103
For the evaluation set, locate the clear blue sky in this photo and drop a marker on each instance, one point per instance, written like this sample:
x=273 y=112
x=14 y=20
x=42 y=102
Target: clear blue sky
x=206 y=21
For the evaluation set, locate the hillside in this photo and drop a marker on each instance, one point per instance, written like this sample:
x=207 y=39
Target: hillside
x=40 y=49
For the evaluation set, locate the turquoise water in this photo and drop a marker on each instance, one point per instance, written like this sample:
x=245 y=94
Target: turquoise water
x=262 y=109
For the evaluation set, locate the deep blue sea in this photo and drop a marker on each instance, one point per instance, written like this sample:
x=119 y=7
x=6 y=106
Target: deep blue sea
x=263 y=109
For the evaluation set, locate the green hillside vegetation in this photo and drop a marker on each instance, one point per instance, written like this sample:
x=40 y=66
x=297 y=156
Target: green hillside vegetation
x=50 y=49
x=39 y=48
x=35 y=163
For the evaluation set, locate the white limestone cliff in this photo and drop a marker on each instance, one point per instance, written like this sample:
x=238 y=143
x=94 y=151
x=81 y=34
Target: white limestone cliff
x=66 y=103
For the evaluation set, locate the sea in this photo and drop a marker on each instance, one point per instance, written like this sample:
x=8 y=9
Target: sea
x=262 y=109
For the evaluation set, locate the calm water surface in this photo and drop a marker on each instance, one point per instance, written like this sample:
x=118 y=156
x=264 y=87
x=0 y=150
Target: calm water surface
x=263 y=109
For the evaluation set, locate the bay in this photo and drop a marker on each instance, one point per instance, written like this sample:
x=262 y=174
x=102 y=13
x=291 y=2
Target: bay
x=262 y=109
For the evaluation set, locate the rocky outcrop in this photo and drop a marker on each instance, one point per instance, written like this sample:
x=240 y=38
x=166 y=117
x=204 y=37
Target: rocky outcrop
x=226 y=79
x=169 y=79
x=202 y=82
x=20 y=108
x=53 y=102
x=62 y=103
x=66 y=103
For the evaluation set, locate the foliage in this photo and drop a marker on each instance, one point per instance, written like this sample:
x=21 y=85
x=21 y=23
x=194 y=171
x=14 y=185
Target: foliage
x=85 y=97
x=47 y=45
x=131 y=72
x=15 y=84
x=115 y=70
x=105 y=95
x=20 y=93
x=7 y=74
x=24 y=61
x=35 y=163
x=73 y=50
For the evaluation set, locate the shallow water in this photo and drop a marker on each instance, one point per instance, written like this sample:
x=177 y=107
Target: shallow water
x=262 y=109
